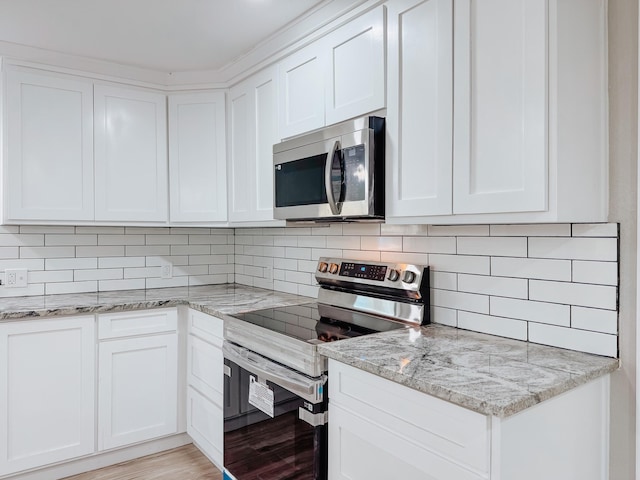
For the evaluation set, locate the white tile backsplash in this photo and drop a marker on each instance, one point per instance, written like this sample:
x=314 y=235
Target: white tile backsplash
x=548 y=283
x=554 y=283
x=90 y=259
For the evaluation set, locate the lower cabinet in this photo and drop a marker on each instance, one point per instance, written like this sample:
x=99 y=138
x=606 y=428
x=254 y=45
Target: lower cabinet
x=380 y=429
x=205 y=389
x=47 y=391
x=138 y=378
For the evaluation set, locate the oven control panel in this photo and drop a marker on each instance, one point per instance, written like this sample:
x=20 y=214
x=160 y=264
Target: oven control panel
x=392 y=275
x=363 y=270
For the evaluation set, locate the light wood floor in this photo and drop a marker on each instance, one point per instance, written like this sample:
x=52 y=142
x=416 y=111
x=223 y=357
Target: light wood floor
x=184 y=463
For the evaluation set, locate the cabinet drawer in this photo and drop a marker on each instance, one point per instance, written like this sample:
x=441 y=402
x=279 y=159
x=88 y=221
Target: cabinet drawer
x=205 y=326
x=204 y=368
x=128 y=324
x=448 y=430
x=205 y=425
x=360 y=449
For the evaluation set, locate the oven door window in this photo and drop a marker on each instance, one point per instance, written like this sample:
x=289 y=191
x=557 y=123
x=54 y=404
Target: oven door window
x=258 y=447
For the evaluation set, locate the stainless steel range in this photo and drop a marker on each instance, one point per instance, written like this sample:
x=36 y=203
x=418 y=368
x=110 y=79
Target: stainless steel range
x=276 y=382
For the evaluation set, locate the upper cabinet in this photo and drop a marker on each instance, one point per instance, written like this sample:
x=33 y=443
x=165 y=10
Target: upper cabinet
x=130 y=154
x=500 y=106
x=197 y=157
x=48 y=151
x=356 y=66
x=253 y=123
x=526 y=117
x=420 y=108
x=338 y=77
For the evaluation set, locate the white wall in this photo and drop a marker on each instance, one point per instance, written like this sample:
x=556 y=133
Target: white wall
x=623 y=156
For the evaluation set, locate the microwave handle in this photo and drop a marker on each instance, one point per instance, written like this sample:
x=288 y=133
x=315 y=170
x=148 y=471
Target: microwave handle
x=327 y=178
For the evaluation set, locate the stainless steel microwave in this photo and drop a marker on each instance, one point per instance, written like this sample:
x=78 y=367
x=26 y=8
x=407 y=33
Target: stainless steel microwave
x=334 y=174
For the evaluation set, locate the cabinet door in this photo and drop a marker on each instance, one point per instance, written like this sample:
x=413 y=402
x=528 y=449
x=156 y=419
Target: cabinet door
x=49 y=148
x=420 y=106
x=130 y=154
x=138 y=390
x=205 y=425
x=197 y=157
x=301 y=84
x=500 y=106
x=47 y=391
x=357 y=71
x=204 y=368
x=253 y=118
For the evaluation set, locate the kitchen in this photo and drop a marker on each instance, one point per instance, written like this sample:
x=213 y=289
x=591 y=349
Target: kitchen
x=103 y=245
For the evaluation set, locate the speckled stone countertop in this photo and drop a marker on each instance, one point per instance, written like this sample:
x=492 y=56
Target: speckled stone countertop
x=212 y=299
x=490 y=375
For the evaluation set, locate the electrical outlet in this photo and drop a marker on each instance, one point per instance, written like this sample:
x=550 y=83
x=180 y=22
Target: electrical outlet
x=14 y=278
x=166 y=270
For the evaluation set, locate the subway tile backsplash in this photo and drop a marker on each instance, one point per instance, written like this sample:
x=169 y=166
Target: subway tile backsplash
x=555 y=284
x=91 y=259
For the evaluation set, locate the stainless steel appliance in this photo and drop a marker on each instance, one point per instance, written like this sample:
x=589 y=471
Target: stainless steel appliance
x=276 y=382
x=333 y=174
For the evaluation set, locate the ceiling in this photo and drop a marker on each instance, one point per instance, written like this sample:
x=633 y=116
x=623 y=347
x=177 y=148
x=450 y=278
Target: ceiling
x=162 y=35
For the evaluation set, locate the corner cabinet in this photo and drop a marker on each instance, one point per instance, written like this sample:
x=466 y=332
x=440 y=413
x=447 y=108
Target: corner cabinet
x=337 y=77
x=197 y=158
x=130 y=154
x=253 y=120
x=380 y=429
x=47 y=385
x=526 y=116
x=48 y=152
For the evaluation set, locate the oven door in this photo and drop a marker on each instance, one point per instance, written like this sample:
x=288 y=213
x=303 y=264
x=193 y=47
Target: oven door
x=288 y=443
x=332 y=178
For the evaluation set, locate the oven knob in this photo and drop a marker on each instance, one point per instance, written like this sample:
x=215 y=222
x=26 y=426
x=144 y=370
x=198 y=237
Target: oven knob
x=322 y=267
x=394 y=275
x=408 y=277
x=333 y=268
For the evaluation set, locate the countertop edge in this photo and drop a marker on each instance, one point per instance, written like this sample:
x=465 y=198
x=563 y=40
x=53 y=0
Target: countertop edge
x=466 y=401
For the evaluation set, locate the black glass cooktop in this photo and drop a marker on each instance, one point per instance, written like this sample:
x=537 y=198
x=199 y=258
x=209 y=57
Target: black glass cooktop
x=317 y=323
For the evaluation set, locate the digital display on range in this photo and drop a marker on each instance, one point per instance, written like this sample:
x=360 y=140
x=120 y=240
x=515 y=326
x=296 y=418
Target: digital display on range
x=363 y=270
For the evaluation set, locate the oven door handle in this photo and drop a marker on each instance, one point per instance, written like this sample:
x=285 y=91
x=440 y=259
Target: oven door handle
x=335 y=208
x=310 y=389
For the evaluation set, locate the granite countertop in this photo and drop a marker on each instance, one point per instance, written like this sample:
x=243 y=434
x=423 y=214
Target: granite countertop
x=490 y=375
x=214 y=300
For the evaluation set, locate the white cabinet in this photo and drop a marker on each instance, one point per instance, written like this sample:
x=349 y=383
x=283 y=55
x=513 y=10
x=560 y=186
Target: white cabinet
x=357 y=66
x=138 y=377
x=197 y=158
x=253 y=120
x=130 y=154
x=48 y=147
x=47 y=391
x=380 y=429
x=301 y=84
x=205 y=391
x=500 y=107
x=338 y=77
x=419 y=113
x=526 y=118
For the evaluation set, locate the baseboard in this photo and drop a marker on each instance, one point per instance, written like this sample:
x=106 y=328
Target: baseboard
x=102 y=459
